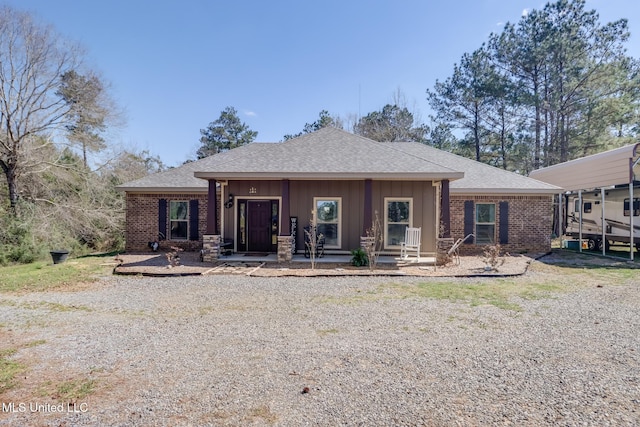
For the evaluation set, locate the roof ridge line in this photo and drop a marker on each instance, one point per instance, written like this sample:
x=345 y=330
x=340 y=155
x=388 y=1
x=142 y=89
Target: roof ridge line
x=396 y=148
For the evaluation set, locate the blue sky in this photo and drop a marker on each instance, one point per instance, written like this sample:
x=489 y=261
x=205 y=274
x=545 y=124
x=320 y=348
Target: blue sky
x=174 y=65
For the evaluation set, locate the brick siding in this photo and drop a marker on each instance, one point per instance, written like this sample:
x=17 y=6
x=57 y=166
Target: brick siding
x=530 y=222
x=142 y=221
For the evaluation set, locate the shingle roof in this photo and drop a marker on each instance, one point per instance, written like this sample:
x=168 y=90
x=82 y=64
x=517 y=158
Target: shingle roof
x=478 y=177
x=327 y=153
x=179 y=179
x=335 y=154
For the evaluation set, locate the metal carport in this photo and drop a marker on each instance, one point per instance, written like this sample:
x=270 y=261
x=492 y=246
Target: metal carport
x=610 y=168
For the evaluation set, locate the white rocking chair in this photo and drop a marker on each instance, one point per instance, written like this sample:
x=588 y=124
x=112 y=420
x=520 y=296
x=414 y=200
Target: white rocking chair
x=411 y=243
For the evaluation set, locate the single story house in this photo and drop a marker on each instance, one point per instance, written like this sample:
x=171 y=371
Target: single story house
x=258 y=197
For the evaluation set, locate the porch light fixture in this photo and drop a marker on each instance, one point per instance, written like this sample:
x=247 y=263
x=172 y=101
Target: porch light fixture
x=229 y=203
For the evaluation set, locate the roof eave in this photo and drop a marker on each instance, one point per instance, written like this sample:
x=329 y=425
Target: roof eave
x=329 y=175
x=156 y=190
x=476 y=191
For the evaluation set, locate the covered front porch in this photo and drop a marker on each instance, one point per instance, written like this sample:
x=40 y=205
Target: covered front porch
x=268 y=217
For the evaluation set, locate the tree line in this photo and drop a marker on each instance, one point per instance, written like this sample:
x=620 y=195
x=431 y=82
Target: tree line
x=555 y=86
x=59 y=170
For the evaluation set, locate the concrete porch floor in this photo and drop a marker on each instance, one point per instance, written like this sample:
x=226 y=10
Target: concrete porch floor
x=157 y=264
x=338 y=259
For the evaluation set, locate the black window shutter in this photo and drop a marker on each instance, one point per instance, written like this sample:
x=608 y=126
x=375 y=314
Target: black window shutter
x=193 y=220
x=504 y=222
x=469 y=220
x=162 y=219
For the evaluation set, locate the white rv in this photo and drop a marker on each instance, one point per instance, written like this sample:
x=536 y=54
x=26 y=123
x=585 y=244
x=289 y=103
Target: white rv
x=617 y=211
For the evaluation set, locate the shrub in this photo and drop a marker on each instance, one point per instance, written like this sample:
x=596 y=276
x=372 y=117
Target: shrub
x=492 y=255
x=359 y=258
x=16 y=241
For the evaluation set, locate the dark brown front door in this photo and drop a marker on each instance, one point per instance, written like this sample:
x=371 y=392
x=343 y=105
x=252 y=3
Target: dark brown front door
x=258 y=225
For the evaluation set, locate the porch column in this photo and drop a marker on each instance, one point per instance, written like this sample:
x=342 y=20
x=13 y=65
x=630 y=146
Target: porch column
x=286 y=245
x=367 y=220
x=212 y=208
x=285 y=214
x=445 y=207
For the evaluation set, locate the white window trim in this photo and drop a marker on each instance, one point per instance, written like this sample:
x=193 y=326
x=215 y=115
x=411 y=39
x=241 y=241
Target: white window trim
x=339 y=200
x=386 y=218
x=494 y=223
x=179 y=220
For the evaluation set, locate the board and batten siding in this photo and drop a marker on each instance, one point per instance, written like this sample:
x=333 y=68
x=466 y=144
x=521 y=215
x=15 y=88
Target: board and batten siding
x=351 y=193
x=264 y=190
x=423 y=194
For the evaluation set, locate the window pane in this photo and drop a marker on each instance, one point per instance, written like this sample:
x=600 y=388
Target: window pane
x=327 y=210
x=242 y=223
x=178 y=210
x=485 y=233
x=330 y=233
x=395 y=234
x=178 y=230
x=485 y=213
x=398 y=212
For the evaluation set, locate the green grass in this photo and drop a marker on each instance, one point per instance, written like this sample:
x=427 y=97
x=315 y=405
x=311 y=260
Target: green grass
x=496 y=292
x=566 y=272
x=8 y=370
x=75 y=389
x=499 y=293
x=41 y=276
x=67 y=391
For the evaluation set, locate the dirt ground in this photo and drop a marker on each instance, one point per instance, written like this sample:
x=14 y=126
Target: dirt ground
x=157 y=264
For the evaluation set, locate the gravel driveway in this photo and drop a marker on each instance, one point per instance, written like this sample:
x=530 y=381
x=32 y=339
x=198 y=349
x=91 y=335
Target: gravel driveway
x=229 y=350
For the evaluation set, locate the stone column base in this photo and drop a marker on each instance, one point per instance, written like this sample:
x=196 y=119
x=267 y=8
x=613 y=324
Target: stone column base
x=210 y=247
x=285 y=252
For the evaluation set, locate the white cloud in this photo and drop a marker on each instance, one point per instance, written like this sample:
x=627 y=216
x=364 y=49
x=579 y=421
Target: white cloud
x=250 y=113
x=525 y=12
